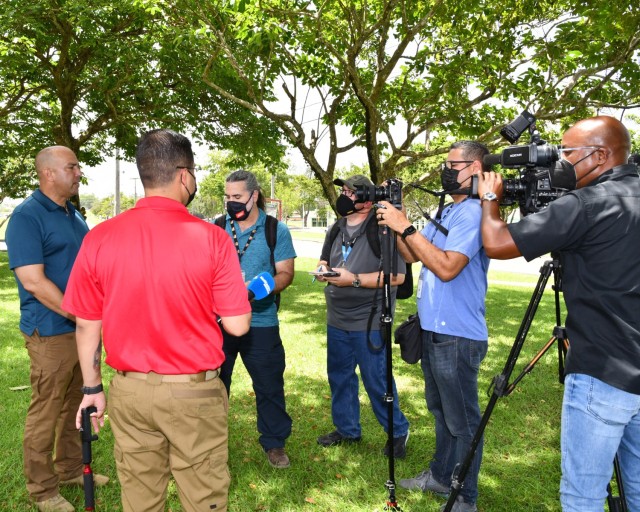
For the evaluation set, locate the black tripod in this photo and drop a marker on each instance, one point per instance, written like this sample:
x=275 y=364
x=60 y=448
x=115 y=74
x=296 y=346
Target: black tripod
x=501 y=386
x=386 y=321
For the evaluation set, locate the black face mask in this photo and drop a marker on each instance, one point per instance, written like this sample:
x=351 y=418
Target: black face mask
x=238 y=210
x=563 y=175
x=192 y=195
x=345 y=205
x=449 y=179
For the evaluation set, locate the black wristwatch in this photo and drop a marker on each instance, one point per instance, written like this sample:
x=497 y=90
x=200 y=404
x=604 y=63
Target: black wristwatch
x=92 y=390
x=409 y=231
x=356 y=281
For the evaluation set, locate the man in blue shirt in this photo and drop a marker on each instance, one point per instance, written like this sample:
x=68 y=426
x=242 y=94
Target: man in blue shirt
x=261 y=348
x=450 y=295
x=43 y=238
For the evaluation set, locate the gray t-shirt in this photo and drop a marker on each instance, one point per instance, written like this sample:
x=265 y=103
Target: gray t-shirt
x=349 y=308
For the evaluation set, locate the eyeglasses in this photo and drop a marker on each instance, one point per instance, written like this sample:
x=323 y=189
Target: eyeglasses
x=450 y=163
x=347 y=192
x=191 y=170
x=564 y=149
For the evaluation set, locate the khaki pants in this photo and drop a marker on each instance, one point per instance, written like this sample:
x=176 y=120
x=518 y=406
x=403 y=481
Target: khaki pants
x=163 y=429
x=51 y=420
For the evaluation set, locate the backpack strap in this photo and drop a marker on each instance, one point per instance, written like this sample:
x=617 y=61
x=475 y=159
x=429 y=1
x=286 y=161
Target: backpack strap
x=271 y=235
x=221 y=221
x=328 y=242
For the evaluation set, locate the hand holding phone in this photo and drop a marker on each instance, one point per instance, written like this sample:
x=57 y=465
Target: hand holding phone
x=327 y=273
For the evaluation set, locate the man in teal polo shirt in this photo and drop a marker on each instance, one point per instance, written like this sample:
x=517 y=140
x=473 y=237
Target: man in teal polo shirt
x=261 y=348
x=43 y=238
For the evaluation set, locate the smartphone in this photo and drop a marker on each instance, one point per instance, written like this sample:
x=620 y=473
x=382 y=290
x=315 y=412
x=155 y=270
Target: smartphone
x=329 y=273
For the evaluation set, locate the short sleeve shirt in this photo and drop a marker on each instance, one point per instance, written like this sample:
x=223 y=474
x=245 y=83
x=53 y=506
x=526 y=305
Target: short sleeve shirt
x=595 y=232
x=41 y=231
x=349 y=308
x=257 y=259
x=158 y=277
x=456 y=307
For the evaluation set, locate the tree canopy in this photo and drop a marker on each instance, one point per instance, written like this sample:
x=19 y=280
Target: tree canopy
x=407 y=77
x=400 y=78
x=94 y=75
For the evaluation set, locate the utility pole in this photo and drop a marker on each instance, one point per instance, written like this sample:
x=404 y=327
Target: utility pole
x=116 y=199
x=135 y=190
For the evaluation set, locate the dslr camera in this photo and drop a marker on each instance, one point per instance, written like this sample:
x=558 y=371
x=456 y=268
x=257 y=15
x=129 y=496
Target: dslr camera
x=391 y=192
x=540 y=180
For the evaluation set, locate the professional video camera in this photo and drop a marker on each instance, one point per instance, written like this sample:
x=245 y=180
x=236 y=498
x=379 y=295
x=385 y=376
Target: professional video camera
x=542 y=177
x=391 y=192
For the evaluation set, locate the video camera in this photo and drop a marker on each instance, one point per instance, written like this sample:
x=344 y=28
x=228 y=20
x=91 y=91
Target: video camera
x=391 y=192
x=541 y=180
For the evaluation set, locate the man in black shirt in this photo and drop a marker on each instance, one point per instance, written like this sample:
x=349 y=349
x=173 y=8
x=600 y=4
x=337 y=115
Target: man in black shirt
x=595 y=229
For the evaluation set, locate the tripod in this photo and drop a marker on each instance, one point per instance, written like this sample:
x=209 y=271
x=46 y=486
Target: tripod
x=501 y=386
x=386 y=316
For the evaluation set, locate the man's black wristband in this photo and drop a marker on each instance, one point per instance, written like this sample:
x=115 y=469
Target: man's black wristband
x=93 y=390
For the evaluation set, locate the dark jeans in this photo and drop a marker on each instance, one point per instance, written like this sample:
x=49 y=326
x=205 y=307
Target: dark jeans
x=345 y=351
x=263 y=356
x=450 y=365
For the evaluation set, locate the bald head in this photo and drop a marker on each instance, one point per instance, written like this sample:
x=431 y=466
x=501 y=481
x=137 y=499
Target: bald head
x=604 y=131
x=58 y=172
x=594 y=146
x=52 y=157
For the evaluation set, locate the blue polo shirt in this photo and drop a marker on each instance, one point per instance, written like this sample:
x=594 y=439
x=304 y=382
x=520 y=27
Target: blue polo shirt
x=43 y=232
x=456 y=307
x=257 y=259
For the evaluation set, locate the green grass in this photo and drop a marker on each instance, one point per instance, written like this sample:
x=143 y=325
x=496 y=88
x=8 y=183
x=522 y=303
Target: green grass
x=520 y=470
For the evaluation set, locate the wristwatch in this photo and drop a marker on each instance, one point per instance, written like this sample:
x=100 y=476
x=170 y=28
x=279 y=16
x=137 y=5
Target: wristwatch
x=356 y=281
x=489 y=196
x=86 y=390
x=409 y=231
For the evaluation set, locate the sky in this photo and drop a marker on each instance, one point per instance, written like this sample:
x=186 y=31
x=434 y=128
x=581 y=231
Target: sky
x=102 y=179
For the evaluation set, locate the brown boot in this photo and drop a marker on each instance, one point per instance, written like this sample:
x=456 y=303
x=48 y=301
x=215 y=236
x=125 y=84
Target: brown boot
x=278 y=458
x=98 y=480
x=55 y=504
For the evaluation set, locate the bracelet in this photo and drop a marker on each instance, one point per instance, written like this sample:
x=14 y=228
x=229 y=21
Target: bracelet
x=92 y=390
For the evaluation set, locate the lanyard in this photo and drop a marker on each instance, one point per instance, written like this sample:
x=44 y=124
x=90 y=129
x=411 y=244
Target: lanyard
x=347 y=246
x=235 y=239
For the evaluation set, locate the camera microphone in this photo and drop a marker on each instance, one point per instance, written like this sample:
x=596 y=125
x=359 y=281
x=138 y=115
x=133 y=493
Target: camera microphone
x=261 y=286
x=492 y=159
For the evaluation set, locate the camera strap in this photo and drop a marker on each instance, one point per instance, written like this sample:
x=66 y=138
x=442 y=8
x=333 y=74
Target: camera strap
x=435 y=221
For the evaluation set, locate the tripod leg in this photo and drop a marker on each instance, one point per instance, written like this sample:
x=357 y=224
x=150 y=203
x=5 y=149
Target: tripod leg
x=617 y=503
x=500 y=382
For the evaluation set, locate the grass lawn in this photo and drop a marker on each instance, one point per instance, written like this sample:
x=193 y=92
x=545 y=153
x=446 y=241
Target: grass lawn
x=520 y=470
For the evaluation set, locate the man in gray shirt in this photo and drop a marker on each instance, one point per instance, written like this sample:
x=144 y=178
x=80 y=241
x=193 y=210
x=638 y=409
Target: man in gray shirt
x=353 y=330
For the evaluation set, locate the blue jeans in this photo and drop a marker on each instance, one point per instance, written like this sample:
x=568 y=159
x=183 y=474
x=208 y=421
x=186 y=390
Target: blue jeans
x=450 y=365
x=345 y=350
x=263 y=356
x=598 y=421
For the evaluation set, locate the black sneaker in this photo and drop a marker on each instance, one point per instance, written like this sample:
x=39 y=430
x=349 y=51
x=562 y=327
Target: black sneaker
x=399 y=447
x=334 y=438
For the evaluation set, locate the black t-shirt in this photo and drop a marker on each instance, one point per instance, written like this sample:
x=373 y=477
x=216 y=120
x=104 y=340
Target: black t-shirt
x=596 y=233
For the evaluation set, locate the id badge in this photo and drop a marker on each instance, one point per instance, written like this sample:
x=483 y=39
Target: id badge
x=420 y=282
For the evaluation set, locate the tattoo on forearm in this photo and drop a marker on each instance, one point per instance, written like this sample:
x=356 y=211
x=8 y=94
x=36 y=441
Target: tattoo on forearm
x=97 y=357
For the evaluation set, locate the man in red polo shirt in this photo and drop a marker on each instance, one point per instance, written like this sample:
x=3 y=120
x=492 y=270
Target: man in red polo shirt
x=153 y=280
